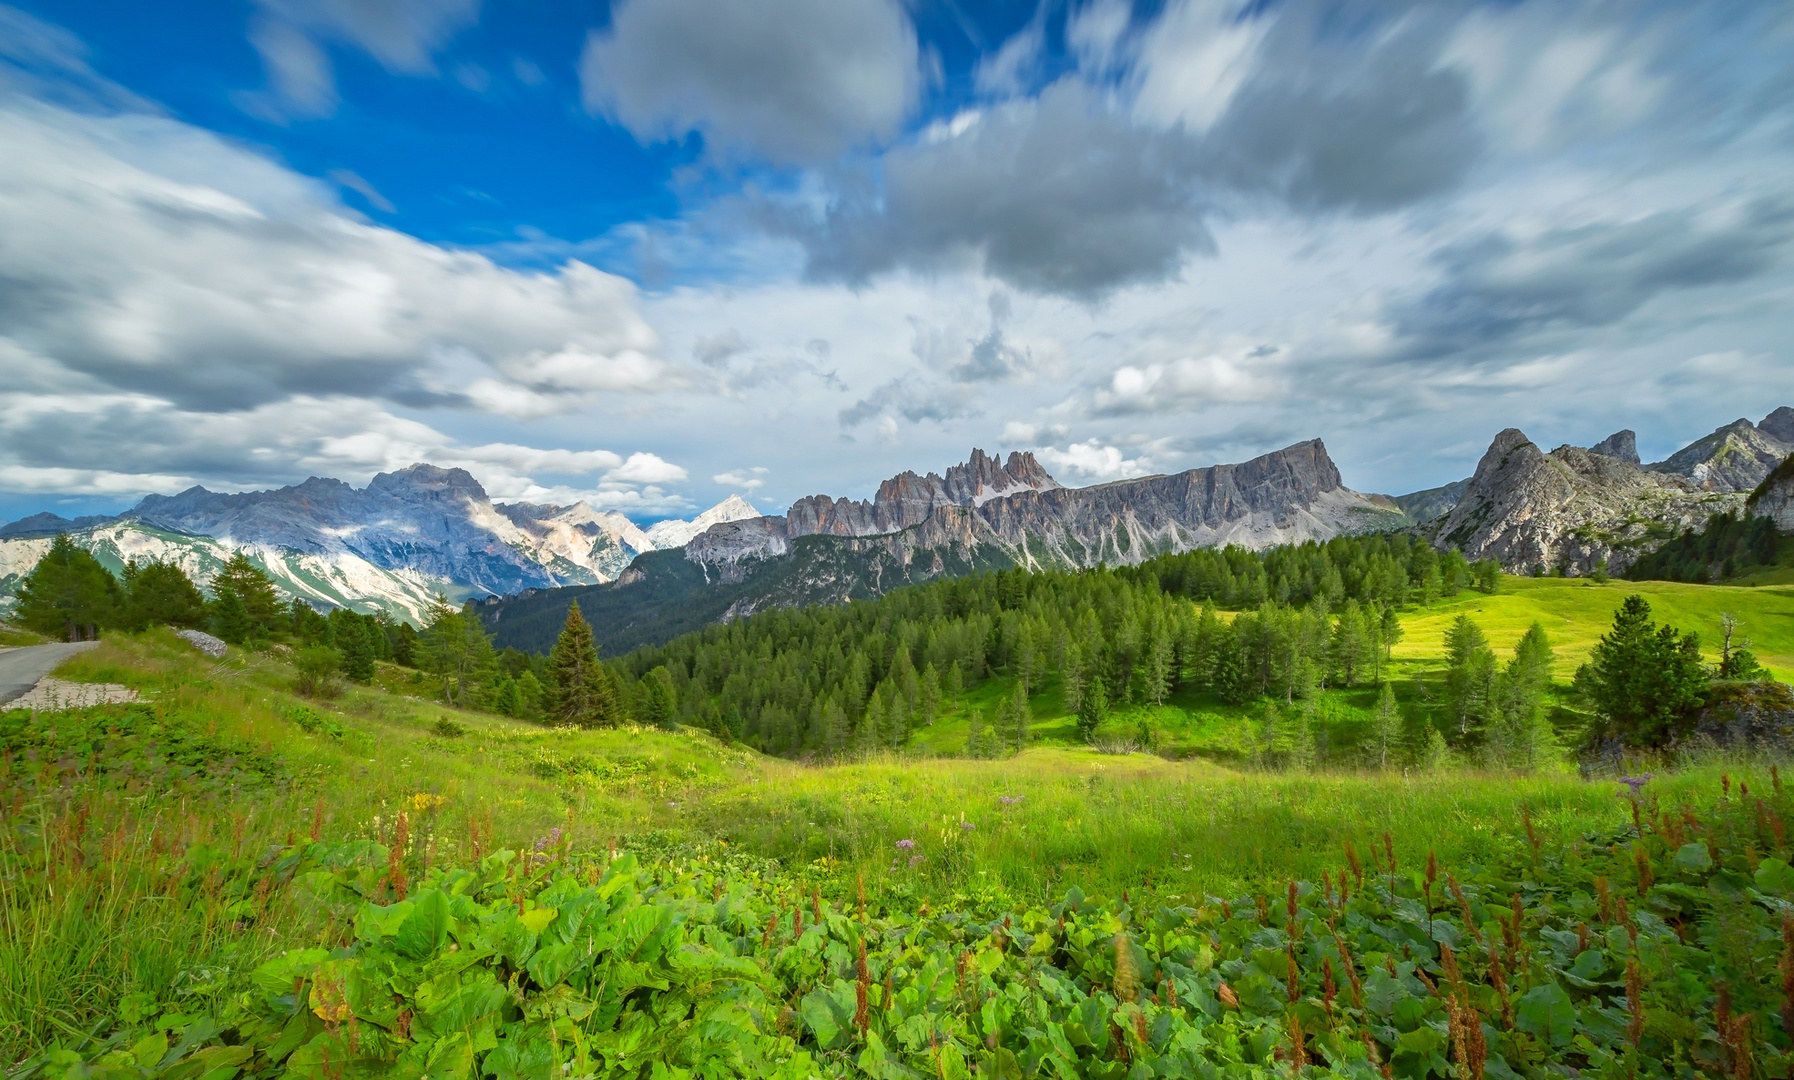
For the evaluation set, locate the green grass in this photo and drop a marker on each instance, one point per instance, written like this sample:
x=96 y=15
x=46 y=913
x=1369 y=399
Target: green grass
x=14 y=636
x=157 y=908
x=1576 y=612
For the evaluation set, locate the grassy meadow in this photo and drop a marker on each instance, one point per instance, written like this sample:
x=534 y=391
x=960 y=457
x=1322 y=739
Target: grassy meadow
x=141 y=865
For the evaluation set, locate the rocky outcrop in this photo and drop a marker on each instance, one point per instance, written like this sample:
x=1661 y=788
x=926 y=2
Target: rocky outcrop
x=1736 y=457
x=1774 y=497
x=1622 y=444
x=1022 y=516
x=1571 y=508
x=1779 y=425
x=906 y=500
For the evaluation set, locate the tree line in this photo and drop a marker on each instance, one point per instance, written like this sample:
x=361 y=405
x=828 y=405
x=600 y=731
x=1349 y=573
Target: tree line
x=833 y=680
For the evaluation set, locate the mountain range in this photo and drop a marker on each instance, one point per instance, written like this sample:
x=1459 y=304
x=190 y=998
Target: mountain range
x=416 y=532
x=391 y=546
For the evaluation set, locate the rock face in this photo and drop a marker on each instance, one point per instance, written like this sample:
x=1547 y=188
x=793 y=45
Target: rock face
x=907 y=499
x=1622 y=444
x=1026 y=518
x=1774 y=497
x=1734 y=458
x=1570 y=508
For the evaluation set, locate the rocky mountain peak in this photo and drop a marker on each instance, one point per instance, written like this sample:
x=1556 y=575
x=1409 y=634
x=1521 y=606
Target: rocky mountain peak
x=425 y=479
x=1502 y=450
x=1622 y=444
x=1779 y=425
x=1736 y=457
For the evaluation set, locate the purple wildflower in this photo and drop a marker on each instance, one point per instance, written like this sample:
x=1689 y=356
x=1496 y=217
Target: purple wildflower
x=915 y=861
x=967 y=826
x=1636 y=782
x=1009 y=800
x=906 y=845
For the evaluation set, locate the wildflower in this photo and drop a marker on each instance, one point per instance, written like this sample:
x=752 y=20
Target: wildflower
x=967 y=826
x=915 y=861
x=1633 y=783
x=906 y=845
x=1009 y=800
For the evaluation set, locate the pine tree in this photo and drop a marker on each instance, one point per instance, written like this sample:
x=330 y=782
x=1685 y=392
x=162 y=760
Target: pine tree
x=1093 y=709
x=955 y=687
x=928 y=697
x=1157 y=670
x=355 y=648
x=253 y=590
x=1469 y=675
x=1385 y=726
x=580 y=689
x=507 y=698
x=68 y=594
x=977 y=742
x=1643 y=680
x=1018 y=725
x=160 y=594
x=659 y=700
x=1350 y=643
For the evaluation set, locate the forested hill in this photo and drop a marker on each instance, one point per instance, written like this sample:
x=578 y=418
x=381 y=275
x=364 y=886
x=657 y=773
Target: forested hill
x=828 y=679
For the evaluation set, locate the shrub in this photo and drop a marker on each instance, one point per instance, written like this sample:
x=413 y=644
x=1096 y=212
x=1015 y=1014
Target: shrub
x=317 y=667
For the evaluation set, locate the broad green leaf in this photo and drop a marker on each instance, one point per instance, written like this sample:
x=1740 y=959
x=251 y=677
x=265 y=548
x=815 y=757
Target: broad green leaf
x=829 y=1012
x=277 y=975
x=1693 y=858
x=1774 y=875
x=426 y=929
x=1548 y=1012
x=537 y=919
x=551 y=966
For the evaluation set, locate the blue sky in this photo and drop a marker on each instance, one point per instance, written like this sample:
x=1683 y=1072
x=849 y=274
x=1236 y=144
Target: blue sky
x=651 y=252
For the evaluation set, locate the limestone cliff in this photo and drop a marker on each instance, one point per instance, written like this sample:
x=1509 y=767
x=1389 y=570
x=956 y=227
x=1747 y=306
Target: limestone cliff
x=1022 y=515
x=1774 y=497
x=1571 y=508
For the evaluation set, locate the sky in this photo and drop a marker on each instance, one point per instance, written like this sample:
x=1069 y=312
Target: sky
x=649 y=253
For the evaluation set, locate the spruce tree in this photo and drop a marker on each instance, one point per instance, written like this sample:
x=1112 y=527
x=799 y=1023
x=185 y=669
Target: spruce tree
x=1644 y=681
x=580 y=689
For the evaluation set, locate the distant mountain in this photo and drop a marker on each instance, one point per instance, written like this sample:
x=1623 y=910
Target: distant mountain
x=979 y=515
x=674 y=533
x=390 y=546
x=1572 y=508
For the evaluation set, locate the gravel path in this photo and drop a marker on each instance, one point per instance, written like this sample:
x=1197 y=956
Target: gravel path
x=22 y=669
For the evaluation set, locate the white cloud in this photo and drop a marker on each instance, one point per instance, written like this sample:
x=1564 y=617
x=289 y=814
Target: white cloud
x=788 y=80
x=1192 y=61
x=154 y=257
x=1186 y=383
x=644 y=468
x=1013 y=67
x=403 y=35
x=1092 y=460
x=750 y=479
